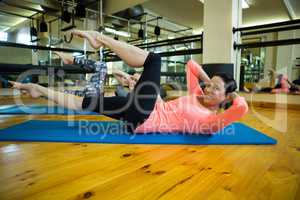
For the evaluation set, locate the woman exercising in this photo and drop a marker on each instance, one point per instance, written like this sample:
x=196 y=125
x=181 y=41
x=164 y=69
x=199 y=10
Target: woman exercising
x=143 y=110
x=126 y=81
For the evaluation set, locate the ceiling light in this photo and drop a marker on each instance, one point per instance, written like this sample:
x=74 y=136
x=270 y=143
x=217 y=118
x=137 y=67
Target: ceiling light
x=77 y=54
x=180 y=48
x=23 y=37
x=120 y=33
x=3 y=36
x=245 y=4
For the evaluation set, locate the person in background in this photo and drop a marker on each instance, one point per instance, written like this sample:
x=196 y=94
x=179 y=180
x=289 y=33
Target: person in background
x=282 y=85
x=126 y=81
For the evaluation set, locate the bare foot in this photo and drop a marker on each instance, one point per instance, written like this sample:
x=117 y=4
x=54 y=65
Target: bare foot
x=66 y=58
x=27 y=87
x=91 y=36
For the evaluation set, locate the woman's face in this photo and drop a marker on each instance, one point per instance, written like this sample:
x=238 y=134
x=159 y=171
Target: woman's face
x=214 y=91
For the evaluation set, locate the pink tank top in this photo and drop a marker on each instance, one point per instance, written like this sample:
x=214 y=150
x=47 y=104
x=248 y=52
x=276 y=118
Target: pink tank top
x=186 y=114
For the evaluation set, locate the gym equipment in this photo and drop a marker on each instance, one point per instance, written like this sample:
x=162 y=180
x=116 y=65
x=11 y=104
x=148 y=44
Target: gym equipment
x=43 y=25
x=38 y=47
x=157 y=28
x=268 y=28
x=271 y=25
x=80 y=9
x=33 y=32
x=68 y=40
x=68 y=17
x=136 y=12
x=38 y=69
x=72 y=25
x=114 y=132
x=141 y=33
x=65 y=14
x=180 y=40
x=40 y=109
x=271 y=43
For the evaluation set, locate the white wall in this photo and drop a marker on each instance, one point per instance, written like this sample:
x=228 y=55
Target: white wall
x=296 y=70
x=286 y=55
x=270 y=59
x=219 y=18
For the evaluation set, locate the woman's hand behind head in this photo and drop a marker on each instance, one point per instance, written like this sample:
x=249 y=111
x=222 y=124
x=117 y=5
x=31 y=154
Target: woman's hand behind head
x=231 y=96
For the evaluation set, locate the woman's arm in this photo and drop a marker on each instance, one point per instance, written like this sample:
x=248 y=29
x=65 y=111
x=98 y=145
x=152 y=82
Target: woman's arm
x=122 y=77
x=194 y=73
x=216 y=122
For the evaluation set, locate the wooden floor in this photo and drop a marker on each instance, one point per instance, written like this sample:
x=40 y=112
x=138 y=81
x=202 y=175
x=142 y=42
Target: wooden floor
x=105 y=171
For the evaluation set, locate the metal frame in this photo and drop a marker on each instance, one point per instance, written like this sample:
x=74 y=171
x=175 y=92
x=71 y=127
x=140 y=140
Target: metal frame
x=37 y=47
x=267 y=43
x=132 y=21
x=271 y=25
x=19 y=68
x=271 y=30
x=268 y=28
x=179 y=39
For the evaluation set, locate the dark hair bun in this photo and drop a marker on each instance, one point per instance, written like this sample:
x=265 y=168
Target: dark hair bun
x=230 y=83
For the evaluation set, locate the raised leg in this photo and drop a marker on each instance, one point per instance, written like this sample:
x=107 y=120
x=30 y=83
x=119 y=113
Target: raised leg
x=133 y=56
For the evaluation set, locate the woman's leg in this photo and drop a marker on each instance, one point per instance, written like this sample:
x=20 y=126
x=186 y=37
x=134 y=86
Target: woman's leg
x=111 y=106
x=145 y=92
x=69 y=60
x=114 y=107
x=65 y=100
x=133 y=56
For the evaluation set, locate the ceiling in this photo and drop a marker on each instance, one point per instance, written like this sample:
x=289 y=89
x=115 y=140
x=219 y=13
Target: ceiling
x=188 y=12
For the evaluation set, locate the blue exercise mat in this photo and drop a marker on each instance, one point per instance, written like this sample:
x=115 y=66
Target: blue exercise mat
x=40 y=109
x=115 y=132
